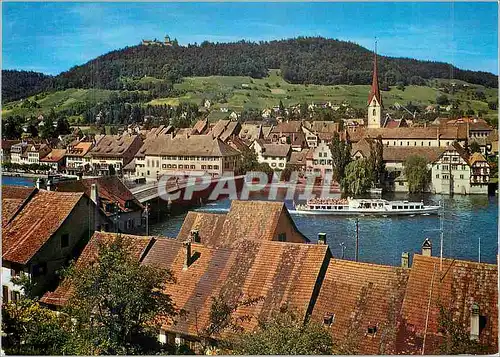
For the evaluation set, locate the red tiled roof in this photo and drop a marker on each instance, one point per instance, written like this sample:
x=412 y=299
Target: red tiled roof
x=12 y=199
x=138 y=246
x=33 y=226
x=55 y=155
x=362 y=295
x=110 y=190
x=280 y=273
x=457 y=286
x=287 y=127
x=244 y=221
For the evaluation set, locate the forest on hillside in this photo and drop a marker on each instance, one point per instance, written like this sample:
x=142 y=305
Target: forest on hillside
x=22 y=84
x=302 y=61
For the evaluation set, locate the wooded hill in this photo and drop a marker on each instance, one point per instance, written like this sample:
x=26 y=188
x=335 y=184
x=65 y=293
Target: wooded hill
x=302 y=61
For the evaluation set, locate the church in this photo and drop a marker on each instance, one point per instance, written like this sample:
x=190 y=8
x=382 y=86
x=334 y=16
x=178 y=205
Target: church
x=375 y=101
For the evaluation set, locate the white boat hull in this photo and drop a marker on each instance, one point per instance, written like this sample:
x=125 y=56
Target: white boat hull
x=368 y=212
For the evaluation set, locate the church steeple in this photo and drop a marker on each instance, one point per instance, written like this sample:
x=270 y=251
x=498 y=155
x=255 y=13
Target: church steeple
x=375 y=99
x=375 y=90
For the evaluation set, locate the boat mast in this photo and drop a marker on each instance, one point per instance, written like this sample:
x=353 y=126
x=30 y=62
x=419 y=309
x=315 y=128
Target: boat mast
x=441 y=204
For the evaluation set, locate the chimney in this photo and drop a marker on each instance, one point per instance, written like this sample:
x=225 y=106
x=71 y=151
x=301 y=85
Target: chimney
x=38 y=182
x=405 y=260
x=49 y=184
x=187 y=254
x=93 y=193
x=474 y=322
x=427 y=248
x=195 y=236
x=321 y=238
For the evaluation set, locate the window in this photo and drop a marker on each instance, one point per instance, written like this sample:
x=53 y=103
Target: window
x=329 y=319
x=429 y=143
x=282 y=237
x=401 y=183
x=371 y=330
x=169 y=166
x=203 y=167
x=39 y=269
x=174 y=166
x=437 y=176
x=461 y=177
x=163 y=166
x=192 y=167
x=210 y=167
x=374 y=112
x=65 y=240
x=5 y=294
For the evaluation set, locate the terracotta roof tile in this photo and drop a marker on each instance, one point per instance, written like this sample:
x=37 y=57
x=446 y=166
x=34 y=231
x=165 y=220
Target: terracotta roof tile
x=55 y=155
x=12 y=199
x=114 y=145
x=32 y=226
x=362 y=295
x=458 y=285
x=276 y=150
x=195 y=145
x=287 y=127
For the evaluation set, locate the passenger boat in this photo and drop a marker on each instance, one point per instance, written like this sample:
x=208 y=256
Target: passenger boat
x=365 y=207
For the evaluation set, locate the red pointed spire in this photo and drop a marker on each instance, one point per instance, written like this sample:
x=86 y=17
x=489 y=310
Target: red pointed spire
x=375 y=90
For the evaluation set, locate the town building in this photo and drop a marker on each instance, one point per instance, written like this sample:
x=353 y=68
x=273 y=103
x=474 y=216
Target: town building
x=276 y=155
x=458 y=172
x=55 y=159
x=224 y=129
x=286 y=132
x=114 y=199
x=77 y=158
x=28 y=152
x=183 y=154
x=6 y=147
x=250 y=132
x=114 y=151
x=41 y=231
x=319 y=161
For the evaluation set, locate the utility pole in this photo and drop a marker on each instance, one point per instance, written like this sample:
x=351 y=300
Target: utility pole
x=147 y=219
x=441 y=231
x=357 y=238
x=479 y=249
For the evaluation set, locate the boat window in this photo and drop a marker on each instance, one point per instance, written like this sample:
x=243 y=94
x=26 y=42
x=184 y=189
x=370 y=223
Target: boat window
x=328 y=207
x=323 y=207
x=412 y=207
x=405 y=207
x=393 y=207
x=341 y=207
x=400 y=207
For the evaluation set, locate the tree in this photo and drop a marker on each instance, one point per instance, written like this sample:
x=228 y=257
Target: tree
x=442 y=100
x=62 y=127
x=341 y=156
x=416 y=172
x=248 y=162
x=376 y=159
x=47 y=130
x=474 y=147
x=358 y=177
x=285 y=333
x=117 y=303
x=30 y=329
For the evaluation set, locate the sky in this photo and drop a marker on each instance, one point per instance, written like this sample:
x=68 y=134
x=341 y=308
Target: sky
x=53 y=37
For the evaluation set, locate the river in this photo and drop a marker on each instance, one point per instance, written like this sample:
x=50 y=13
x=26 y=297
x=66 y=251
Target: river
x=469 y=222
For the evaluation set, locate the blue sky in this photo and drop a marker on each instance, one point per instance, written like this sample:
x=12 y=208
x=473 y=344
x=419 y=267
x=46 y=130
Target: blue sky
x=53 y=37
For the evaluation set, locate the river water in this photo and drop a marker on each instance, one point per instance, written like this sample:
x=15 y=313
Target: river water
x=469 y=222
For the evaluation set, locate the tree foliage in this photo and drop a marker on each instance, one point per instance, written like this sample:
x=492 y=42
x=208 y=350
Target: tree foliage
x=474 y=147
x=117 y=303
x=358 y=177
x=285 y=333
x=376 y=159
x=341 y=156
x=416 y=172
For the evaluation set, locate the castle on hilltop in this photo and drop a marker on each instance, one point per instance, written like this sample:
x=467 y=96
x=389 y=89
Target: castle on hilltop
x=155 y=42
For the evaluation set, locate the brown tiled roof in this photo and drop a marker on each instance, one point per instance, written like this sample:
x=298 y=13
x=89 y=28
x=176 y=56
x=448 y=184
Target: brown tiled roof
x=35 y=223
x=432 y=133
x=298 y=157
x=360 y=295
x=278 y=150
x=195 y=145
x=6 y=144
x=287 y=127
x=200 y=126
x=476 y=157
x=279 y=273
x=246 y=220
x=55 y=155
x=80 y=149
x=457 y=286
x=324 y=126
x=219 y=128
x=110 y=190
x=233 y=128
x=266 y=130
x=12 y=199
x=250 y=132
x=138 y=245
x=113 y=145
x=400 y=153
